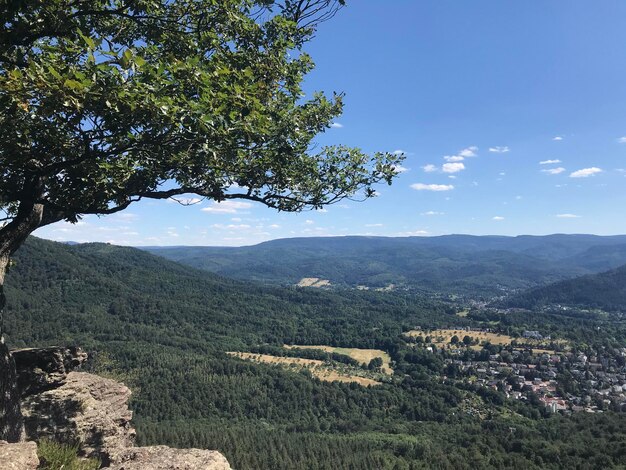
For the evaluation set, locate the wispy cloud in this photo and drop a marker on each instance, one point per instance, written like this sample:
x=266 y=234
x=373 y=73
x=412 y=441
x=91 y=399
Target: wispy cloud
x=429 y=168
x=585 y=172
x=453 y=158
x=554 y=171
x=414 y=233
x=469 y=152
x=557 y=138
x=622 y=140
x=497 y=218
x=432 y=187
x=549 y=162
x=373 y=225
x=452 y=167
x=432 y=213
x=336 y=125
x=231 y=226
x=499 y=149
x=400 y=169
x=227 y=207
x=568 y=216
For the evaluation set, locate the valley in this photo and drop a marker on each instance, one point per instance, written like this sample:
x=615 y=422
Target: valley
x=358 y=384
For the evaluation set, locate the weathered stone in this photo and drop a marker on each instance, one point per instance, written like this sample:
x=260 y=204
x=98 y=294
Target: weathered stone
x=42 y=369
x=18 y=456
x=91 y=411
x=86 y=409
x=167 y=458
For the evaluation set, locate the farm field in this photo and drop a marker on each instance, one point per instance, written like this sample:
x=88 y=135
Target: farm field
x=443 y=336
x=318 y=368
x=364 y=356
x=313 y=282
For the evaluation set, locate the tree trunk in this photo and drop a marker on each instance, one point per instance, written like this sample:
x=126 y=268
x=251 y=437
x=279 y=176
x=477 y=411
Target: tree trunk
x=12 y=236
x=11 y=421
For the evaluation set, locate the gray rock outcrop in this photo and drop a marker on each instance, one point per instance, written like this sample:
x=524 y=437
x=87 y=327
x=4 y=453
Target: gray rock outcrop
x=88 y=409
x=40 y=369
x=18 y=456
x=166 y=458
x=81 y=408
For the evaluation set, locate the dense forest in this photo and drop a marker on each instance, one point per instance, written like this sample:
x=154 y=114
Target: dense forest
x=606 y=291
x=458 y=264
x=164 y=329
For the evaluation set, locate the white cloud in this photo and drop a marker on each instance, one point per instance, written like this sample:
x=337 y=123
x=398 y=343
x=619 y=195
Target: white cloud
x=336 y=125
x=452 y=167
x=549 y=162
x=499 y=149
x=432 y=213
x=497 y=217
x=585 y=172
x=558 y=138
x=126 y=216
x=399 y=152
x=231 y=226
x=274 y=226
x=568 y=216
x=554 y=171
x=373 y=225
x=415 y=233
x=453 y=158
x=469 y=152
x=432 y=187
x=429 y=168
x=622 y=140
x=227 y=207
x=309 y=222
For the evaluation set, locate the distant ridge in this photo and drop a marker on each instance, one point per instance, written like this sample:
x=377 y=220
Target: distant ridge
x=606 y=291
x=458 y=264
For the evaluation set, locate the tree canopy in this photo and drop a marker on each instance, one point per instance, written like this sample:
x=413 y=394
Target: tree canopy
x=106 y=102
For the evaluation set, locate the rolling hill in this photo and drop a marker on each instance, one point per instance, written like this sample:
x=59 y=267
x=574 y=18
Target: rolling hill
x=606 y=291
x=459 y=264
x=164 y=329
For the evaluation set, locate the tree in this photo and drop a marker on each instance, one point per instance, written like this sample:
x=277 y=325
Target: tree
x=375 y=364
x=107 y=102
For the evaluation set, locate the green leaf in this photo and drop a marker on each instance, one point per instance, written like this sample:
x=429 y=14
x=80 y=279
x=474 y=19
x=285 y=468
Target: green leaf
x=126 y=58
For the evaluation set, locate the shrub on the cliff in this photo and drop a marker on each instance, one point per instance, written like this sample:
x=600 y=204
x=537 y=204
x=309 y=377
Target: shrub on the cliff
x=56 y=456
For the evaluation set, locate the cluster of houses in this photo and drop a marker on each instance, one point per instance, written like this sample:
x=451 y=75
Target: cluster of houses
x=565 y=381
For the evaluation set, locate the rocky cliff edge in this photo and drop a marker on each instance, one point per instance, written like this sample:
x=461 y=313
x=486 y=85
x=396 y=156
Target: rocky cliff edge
x=72 y=407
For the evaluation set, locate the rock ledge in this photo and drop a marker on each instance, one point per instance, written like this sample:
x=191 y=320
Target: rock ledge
x=77 y=407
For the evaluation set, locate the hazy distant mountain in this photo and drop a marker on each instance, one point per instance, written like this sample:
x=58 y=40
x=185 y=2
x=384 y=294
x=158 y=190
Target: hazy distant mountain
x=606 y=290
x=453 y=263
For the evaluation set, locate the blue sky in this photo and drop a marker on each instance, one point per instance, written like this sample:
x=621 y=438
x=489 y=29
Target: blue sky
x=477 y=94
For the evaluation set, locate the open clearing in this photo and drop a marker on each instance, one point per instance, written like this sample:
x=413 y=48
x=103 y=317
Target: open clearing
x=318 y=368
x=313 y=282
x=443 y=336
x=364 y=356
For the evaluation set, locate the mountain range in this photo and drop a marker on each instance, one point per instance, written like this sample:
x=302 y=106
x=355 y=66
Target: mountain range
x=458 y=264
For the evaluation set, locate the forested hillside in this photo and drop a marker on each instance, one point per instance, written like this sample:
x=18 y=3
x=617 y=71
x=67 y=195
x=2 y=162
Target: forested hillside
x=459 y=264
x=606 y=291
x=164 y=329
